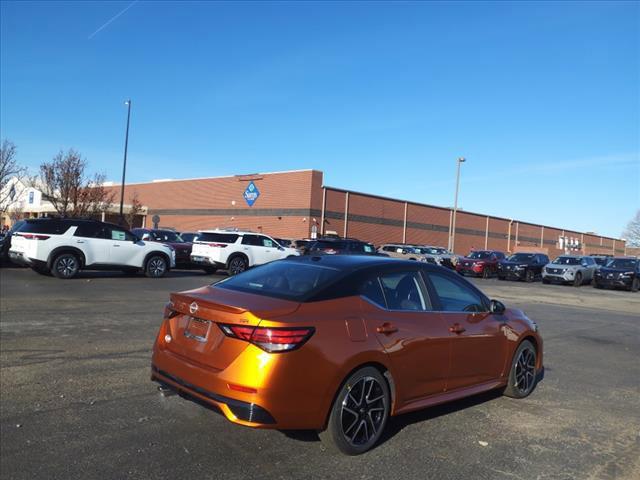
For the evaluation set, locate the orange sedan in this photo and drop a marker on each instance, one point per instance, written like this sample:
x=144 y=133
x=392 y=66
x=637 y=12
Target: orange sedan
x=340 y=343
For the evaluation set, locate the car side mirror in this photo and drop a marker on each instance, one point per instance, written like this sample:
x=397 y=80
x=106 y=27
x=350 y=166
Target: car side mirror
x=497 y=307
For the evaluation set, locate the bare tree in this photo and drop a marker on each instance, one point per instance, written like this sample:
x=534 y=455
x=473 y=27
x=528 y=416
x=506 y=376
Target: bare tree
x=632 y=232
x=135 y=209
x=70 y=190
x=9 y=168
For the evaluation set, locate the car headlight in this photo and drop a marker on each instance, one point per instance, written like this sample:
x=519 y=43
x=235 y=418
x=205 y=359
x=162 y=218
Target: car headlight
x=521 y=267
x=627 y=274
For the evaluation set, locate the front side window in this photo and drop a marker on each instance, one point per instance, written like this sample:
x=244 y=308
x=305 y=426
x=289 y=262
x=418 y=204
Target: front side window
x=455 y=296
x=266 y=242
x=403 y=291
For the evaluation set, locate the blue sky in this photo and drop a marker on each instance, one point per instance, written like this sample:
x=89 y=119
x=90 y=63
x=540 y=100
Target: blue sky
x=542 y=98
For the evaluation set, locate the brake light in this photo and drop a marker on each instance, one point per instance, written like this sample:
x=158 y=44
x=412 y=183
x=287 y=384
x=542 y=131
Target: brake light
x=270 y=339
x=31 y=236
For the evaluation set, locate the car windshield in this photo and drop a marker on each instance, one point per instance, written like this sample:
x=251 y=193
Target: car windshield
x=600 y=260
x=567 y=261
x=284 y=279
x=521 y=257
x=167 y=236
x=480 y=255
x=627 y=263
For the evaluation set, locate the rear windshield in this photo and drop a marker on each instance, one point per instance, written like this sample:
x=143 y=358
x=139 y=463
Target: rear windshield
x=217 y=237
x=53 y=227
x=282 y=279
x=166 y=236
x=521 y=257
x=567 y=261
x=622 y=263
x=321 y=245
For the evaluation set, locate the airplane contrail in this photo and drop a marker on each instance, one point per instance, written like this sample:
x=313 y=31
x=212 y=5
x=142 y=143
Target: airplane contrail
x=112 y=19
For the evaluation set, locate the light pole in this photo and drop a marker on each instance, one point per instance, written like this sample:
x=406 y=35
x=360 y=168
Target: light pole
x=452 y=234
x=124 y=165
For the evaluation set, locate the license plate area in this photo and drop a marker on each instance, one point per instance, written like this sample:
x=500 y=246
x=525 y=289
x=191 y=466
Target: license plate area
x=197 y=329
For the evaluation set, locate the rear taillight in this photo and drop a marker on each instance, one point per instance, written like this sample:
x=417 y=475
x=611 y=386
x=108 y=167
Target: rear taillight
x=31 y=236
x=270 y=339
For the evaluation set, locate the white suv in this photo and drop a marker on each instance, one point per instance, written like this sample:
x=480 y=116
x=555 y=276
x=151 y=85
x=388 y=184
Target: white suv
x=236 y=251
x=63 y=247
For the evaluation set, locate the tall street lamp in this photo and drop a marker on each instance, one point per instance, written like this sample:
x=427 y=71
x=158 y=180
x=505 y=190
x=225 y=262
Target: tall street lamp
x=452 y=234
x=124 y=165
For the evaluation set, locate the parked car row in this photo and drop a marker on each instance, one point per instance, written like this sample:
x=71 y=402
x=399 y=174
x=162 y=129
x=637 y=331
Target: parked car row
x=601 y=271
x=63 y=247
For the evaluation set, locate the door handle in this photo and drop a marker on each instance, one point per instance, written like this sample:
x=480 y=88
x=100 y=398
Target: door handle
x=116 y=245
x=456 y=328
x=387 y=328
x=79 y=241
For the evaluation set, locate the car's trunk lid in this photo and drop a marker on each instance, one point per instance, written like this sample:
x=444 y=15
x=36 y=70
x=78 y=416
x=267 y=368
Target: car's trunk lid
x=194 y=326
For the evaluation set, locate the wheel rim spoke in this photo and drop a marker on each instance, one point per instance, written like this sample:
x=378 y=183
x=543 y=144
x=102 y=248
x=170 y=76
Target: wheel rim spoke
x=525 y=370
x=363 y=411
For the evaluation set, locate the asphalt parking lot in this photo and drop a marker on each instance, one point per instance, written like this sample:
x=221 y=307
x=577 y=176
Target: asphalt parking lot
x=76 y=400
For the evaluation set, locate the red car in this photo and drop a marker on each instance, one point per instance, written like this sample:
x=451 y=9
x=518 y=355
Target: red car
x=480 y=263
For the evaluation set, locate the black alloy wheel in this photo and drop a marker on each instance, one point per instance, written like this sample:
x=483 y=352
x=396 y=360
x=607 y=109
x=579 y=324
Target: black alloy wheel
x=523 y=374
x=359 y=413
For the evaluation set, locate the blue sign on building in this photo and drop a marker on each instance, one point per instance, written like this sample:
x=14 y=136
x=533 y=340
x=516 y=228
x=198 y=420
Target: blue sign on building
x=251 y=194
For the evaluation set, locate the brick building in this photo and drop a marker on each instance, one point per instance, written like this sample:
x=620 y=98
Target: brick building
x=294 y=204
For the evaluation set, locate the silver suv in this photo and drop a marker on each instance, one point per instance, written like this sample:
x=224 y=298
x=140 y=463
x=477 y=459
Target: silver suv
x=396 y=250
x=438 y=255
x=573 y=269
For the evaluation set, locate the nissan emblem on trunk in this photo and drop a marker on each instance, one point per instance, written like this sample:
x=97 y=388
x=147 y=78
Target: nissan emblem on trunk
x=193 y=308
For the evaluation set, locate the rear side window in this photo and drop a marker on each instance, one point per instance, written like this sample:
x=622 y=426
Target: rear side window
x=372 y=291
x=455 y=296
x=217 y=237
x=89 y=230
x=52 y=227
x=403 y=291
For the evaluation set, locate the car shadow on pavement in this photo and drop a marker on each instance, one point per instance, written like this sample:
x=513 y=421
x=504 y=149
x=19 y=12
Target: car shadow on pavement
x=396 y=424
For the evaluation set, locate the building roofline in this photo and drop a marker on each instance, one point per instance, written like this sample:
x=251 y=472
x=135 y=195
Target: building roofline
x=167 y=180
x=410 y=202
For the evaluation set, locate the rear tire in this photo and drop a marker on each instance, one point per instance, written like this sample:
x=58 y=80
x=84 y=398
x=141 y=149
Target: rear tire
x=65 y=266
x=523 y=374
x=578 y=280
x=358 y=414
x=237 y=264
x=156 y=267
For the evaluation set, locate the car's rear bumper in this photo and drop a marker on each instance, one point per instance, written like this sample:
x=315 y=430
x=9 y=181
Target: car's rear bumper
x=20 y=258
x=206 y=262
x=237 y=411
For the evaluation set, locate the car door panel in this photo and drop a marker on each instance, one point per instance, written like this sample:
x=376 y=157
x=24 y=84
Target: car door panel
x=123 y=251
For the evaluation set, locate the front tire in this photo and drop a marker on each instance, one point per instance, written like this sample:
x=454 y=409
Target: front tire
x=523 y=375
x=635 y=285
x=578 y=280
x=65 y=266
x=156 y=267
x=529 y=276
x=358 y=414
